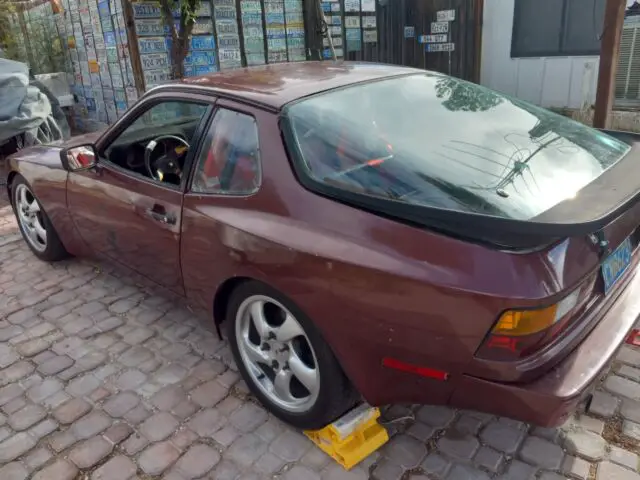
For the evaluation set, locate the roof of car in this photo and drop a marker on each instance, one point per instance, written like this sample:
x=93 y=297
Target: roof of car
x=276 y=85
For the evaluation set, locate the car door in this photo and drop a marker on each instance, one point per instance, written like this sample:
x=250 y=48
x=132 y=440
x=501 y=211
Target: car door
x=226 y=179
x=123 y=213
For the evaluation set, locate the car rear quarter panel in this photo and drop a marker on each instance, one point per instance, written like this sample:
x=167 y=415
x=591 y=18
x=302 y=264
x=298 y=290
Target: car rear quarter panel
x=374 y=287
x=43 y=171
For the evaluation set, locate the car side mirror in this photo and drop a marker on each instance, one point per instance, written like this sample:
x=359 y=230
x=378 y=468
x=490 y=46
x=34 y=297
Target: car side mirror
x=79 y=158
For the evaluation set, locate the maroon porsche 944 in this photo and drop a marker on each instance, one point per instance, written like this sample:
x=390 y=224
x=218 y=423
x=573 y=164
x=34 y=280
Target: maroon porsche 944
x=363 y=231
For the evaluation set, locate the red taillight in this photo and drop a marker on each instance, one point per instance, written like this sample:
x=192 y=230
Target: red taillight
x=520 y=333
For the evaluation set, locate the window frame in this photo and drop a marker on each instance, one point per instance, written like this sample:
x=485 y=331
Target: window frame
x=138 y=111
x=560 y=52
x=224 y=105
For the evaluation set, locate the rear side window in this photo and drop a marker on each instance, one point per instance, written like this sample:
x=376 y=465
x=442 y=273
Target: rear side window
x=229 y=161
x=436 y=141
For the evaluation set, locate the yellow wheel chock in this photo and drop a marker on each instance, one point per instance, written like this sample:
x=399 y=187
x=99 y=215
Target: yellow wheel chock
x=351 y=438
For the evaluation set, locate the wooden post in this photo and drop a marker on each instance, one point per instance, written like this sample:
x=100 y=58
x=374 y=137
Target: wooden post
x=134 y=52
x=609 y=50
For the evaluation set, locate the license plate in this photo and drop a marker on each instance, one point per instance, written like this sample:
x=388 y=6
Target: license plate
x=616 y=264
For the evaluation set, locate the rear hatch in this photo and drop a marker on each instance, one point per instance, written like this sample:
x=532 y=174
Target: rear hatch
x=455 y=157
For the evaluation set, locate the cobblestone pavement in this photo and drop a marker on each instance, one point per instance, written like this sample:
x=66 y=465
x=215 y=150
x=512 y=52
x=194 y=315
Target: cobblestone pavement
x=101 y=379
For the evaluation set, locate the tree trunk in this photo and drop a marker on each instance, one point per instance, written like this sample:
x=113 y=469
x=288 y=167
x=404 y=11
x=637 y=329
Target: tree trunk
x=181 y=35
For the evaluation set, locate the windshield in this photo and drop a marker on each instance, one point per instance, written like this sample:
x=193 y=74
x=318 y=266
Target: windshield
x=436 y=141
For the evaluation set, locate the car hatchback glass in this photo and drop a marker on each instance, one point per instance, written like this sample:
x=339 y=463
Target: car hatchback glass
x=440 y=142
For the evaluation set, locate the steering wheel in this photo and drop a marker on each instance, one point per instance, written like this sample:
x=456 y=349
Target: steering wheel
x=156 y=173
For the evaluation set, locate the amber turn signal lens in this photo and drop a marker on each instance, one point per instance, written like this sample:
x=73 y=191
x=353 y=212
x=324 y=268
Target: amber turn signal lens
x=525 y=322
x=515 y=323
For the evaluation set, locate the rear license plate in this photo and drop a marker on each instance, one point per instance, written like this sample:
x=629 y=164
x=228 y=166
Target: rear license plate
x=616 y=264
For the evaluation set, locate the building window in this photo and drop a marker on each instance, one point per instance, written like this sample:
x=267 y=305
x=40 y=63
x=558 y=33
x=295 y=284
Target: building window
x=545 y=28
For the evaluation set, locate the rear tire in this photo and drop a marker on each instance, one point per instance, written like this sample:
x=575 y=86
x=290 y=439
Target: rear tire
x=35 y=226
x=287 y=365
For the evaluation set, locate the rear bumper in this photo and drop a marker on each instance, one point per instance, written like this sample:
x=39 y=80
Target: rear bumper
x=550 y=399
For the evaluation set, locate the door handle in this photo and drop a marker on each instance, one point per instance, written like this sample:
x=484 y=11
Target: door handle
x=159 y=214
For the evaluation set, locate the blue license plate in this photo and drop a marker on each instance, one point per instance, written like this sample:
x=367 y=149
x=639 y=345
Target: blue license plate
x=616 y=264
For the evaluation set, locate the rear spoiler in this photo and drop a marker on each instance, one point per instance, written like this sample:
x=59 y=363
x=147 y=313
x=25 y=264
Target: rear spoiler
x=594 y=207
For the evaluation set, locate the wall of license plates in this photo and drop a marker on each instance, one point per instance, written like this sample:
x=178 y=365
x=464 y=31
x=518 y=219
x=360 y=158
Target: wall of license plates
x=98 y=60
x=216 y=44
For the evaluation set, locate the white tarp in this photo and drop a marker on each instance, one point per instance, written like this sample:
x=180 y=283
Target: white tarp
x=27 y=108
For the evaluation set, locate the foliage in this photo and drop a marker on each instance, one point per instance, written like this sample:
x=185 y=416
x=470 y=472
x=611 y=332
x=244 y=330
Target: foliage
x=466 y=97
x=181 y=33
x=8 y=42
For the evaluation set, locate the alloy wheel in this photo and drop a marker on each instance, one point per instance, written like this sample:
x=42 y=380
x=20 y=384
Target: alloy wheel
x=30 y=218
x=277 y=354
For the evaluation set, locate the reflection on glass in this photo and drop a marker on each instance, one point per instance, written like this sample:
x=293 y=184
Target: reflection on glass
x=438 y=141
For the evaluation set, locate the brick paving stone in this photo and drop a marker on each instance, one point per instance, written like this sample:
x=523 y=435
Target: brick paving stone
x=90 y=452
x=170 y=374
x=58 y=470
x=118 y=432
x=83 y=385
x=502 y=436
x=246 y=450
x=159 y=426
x=336 y=472
x=316 y=459
x=436 y=416
x=436 y=464
x=135 y=443
x=576 y=467
x=611 y=471
x=537 y=451
x=421 y=431
x=208 y=394
x=137 y=415
x=131 y=379
x=463 y=472
x=37 y=458
x=518 y=471
x=299 y=472
x=629 y=355
x=631 y=429
x=61 y=441
x=117 y=468
x=489 y=458
x=630 y=410
x=71 y=410
x=623 y=387
x=120 y=404
x=248 y=417
x=90 y=425
x=206 y=422
x=291 y=445
x=585 y=444
x=16 y=371
x=184 y=438
x=16 y=446
x=157 y=458
x=13 y=471
x=9 y=393
x=198 y=461
x=460 y=448
x=226 y=435
x=33 y=347
x=551 y=476
x=624 y=458
x=40 y=392
x=43 y=428
x=26 y=417
x=604 y=404
x=55 y=365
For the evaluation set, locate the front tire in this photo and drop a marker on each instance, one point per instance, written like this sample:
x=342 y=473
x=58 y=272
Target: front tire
x=35 y=226
x=284 y=360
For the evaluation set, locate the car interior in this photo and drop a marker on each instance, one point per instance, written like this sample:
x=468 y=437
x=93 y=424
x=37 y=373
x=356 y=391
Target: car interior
x=153 y=151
